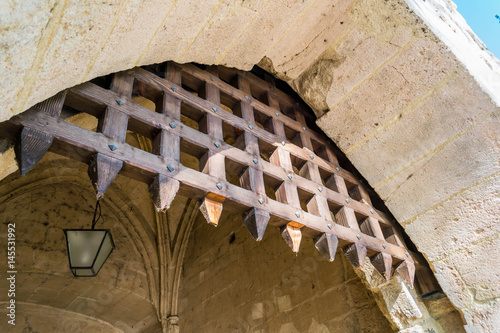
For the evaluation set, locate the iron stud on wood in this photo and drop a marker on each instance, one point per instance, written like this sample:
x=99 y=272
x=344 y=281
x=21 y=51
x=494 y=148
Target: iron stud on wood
x=120 y=102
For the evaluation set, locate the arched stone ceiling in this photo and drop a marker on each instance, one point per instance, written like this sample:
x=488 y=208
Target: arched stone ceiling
x=419 y=121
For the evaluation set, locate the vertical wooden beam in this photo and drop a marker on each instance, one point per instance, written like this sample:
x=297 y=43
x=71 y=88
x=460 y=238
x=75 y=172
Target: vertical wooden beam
x=166 y=144
x=287 y=192
x=103 y=169
x=33 y=144
x=355 y=253
x=212 y=163
x=381 y=261
x=256 y=219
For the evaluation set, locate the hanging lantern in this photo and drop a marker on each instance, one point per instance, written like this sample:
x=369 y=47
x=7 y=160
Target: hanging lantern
x=88 y=249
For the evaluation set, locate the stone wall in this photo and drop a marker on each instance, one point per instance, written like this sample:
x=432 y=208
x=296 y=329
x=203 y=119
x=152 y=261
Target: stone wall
x=231 y=283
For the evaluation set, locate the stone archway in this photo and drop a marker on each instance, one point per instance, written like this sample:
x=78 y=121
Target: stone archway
x=408 y=141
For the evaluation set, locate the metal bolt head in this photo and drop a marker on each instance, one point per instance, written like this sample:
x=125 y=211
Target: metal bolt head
x=297 y=214
x=173 y=89
x=247 y=98
x=212 y=78
x=217 y=144
x=407 y=254
x=219 y=186
x=312 y=157
x=120 y=102
x=347 y=200
x=283 y=143
x=172 y=125
x=329 y=226
x=384 y=246
x=112 y=147
x=303 y=128
x=358 y=236
x=277 y=114
x=255 y=161
x=170 y=167
x=250 y=126
x=320 y=189
x=337 y=169
x=289 y=176
x=372 y=211
x=215 y=109
x=261 y=201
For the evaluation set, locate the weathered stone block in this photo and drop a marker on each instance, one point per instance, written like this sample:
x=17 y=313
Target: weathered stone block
x=419 y=133
x=404 y=79
x=467 y=160
x=459 y=222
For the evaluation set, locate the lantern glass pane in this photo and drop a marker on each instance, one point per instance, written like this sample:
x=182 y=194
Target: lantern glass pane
x=106 y=248
x=83 y=246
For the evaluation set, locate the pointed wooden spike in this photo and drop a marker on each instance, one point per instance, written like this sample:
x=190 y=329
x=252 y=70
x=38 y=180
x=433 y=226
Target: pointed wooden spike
x=292 y=237
x=211 y=210
x=327 y=245
x=356 y=254
x=33 y=144
x=383 y=263
x=31 y=147
x=256 y=220
x=407 y=271
x=163 y=191
x=102 y=171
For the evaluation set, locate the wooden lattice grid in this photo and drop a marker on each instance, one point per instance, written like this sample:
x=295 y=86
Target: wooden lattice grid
x=232 y=123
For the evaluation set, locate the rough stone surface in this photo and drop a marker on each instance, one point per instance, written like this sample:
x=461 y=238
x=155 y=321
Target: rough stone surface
x=232 y=283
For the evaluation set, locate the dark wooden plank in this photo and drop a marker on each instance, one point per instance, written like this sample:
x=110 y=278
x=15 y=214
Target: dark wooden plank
x=102 y=171
x=31 y=144
x=327 y=245
x=256 y=221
